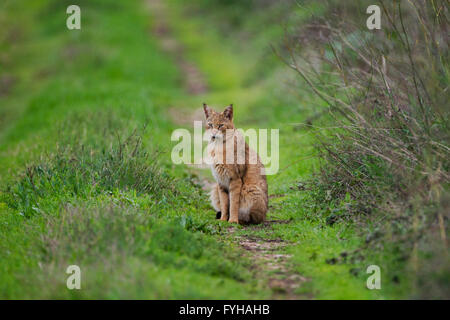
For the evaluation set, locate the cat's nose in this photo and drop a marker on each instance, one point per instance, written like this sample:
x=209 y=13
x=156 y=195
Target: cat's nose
x=213 y=134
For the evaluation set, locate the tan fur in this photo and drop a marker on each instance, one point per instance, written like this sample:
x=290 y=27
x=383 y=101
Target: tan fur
x=241 y=190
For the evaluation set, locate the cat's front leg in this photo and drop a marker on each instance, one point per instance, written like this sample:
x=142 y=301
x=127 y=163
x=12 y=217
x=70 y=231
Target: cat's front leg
x=235 y=195
x=224 y=203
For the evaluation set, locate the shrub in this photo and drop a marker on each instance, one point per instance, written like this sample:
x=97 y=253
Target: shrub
x=387 y=93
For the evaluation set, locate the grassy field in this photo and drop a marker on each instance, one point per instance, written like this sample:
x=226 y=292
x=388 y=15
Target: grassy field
x=86 y=176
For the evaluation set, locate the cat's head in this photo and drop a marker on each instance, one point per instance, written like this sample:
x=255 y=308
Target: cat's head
x=217 y=123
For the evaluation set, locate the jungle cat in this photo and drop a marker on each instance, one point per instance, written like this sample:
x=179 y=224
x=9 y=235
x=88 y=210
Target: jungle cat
x=240 y=194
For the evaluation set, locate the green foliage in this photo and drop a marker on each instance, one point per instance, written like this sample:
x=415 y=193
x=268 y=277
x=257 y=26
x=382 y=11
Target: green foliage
x=387 y=148
x=84 y=171
x=320 y=229
x=120 y=230
x=85 y=174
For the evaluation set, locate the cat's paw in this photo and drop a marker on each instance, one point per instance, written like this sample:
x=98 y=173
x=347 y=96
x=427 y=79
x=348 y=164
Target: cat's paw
x=234 y=221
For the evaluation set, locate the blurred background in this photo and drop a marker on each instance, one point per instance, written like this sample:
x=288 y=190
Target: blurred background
x=86 y=117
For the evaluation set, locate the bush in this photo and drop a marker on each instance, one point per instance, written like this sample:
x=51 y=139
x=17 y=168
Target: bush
x=387 y=93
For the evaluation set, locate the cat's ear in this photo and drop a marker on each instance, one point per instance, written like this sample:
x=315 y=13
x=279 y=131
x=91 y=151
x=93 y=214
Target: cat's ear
x=207 y=110
x=228 y=112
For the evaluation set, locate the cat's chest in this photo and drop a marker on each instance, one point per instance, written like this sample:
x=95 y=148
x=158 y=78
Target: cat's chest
x=221 y=174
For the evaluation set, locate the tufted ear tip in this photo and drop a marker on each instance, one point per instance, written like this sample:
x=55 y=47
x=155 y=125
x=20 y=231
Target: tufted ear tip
x=228 y=112
x=207 y=110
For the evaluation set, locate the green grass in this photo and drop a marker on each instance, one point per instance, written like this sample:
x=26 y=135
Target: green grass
x=267 y=102
x=86 y=176
x=85 y=169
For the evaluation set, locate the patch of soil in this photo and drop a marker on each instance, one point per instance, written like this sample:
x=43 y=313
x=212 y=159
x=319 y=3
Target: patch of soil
x=270 y=222
x=7 y=83
x=192 y=77
x=268 y=260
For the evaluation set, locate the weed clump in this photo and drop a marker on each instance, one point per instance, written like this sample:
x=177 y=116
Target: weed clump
x=82 y=168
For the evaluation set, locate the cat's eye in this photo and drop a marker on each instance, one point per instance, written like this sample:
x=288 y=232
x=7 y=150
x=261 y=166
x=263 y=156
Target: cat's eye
x=209 y=125
x=220 y=126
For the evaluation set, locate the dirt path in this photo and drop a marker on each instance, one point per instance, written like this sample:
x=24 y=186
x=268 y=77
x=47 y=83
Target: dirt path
x=193 y=79
x=274 y=265
x=270 y=263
